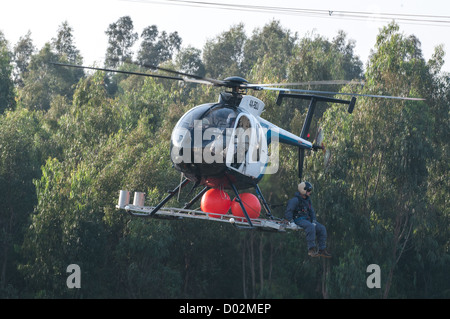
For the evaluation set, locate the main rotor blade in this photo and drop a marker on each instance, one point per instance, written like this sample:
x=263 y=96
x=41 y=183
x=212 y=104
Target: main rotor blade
x=204 y=80
x=118 y=71
x=340 y=93
x=196 y=79
x=325 y=82
x=201 y=80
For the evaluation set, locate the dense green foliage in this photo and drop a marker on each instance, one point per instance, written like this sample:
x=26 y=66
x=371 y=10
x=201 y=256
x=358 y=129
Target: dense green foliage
x=70 y=141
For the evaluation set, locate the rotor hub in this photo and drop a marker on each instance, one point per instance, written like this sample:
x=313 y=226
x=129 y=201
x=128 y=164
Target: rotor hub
x=235 y=82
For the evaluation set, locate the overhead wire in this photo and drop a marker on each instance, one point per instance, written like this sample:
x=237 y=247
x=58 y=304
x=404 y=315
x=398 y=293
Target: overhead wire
x=420 y=19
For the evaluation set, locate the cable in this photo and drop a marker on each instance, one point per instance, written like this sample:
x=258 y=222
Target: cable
x=421 y=19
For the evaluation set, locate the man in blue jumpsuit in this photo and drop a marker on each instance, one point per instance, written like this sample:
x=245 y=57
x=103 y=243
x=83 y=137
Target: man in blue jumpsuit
x=300 y=211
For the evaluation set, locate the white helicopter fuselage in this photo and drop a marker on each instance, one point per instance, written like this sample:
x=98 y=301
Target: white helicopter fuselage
x=215 y=139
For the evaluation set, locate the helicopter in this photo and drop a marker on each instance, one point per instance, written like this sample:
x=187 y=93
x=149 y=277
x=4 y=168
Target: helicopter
x=228 y=145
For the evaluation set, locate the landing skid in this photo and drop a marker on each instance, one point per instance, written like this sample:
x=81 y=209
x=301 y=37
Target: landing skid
x=138 y=209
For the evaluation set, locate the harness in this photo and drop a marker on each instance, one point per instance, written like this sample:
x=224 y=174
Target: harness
x=302 y=212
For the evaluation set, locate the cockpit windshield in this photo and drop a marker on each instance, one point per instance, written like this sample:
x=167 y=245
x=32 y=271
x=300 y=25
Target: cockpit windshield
x=210 y=115
x=221 y=118
x=195 y=114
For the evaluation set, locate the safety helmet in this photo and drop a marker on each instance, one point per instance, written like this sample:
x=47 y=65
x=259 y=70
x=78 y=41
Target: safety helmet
x=304 y=187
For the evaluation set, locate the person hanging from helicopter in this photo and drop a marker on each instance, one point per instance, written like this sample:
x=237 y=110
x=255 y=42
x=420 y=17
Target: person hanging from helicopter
x=300 y=211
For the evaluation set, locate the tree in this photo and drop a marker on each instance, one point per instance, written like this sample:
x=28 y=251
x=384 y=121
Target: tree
x=351 y=65
x=67 y=228
x=20 y=162
x=273 y=45
x=157 y=48
x=189 y=61
x=429 y=257
x=23 y=50
x=121 y=39
x=41 y=81
x=64 y=44
x=44 y=81
x=223 y=55
x=7 y=100
x=316 y=58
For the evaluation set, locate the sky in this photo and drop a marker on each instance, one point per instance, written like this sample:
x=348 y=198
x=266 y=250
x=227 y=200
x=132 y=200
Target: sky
x=198 y=23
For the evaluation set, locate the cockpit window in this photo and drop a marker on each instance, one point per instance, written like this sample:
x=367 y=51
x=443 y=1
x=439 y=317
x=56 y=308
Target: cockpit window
x=210 y=116
x=220 y=118
x=187 y=121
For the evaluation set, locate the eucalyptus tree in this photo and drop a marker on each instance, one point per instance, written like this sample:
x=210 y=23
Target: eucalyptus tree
x=121 y=38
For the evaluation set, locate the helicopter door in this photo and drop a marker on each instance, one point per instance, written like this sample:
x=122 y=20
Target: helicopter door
x=246 y=147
